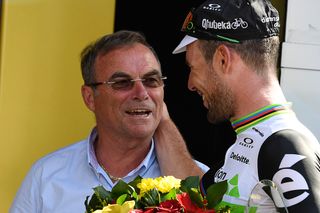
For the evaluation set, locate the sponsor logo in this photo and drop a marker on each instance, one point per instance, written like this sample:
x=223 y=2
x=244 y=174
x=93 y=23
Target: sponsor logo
x=214 y=7
x=187 y=24
x=269 y=19
x=220 y=175
x=258 y=131
x=275 y=19
x=247 y=142
x=221 y=25
x=297 y=181
x=240 y=158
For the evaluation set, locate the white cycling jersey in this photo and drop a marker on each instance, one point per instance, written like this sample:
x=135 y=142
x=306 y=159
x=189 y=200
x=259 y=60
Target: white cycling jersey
x=271 y=144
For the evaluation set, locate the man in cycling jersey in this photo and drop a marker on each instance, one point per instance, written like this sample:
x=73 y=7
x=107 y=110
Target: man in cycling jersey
x=232 y=50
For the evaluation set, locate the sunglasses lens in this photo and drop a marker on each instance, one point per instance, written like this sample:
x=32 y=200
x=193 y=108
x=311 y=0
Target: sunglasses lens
x=152 y=82
x=125 y=84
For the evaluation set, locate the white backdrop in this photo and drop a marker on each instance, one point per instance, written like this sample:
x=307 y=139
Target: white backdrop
x=300 y=61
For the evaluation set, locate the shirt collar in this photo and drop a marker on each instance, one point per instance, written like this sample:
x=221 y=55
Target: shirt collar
x=92 y=160
x=141 y=169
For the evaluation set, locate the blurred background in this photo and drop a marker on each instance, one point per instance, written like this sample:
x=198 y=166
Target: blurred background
x=41 y=108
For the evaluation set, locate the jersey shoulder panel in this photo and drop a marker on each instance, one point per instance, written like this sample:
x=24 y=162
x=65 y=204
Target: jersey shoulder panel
x=292 y=160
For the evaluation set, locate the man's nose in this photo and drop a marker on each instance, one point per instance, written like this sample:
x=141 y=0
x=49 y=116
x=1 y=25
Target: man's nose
x=140 y=90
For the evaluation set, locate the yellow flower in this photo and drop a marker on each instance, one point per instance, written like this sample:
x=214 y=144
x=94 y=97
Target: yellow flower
x=167 y=183
x=116 y=208
x=163 y=184
x=146 y=184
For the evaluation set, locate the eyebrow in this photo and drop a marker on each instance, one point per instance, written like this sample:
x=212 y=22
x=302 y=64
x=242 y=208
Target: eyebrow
x=152 y=72
x=121 y=74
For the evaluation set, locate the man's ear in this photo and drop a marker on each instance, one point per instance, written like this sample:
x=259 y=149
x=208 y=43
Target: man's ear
x=223 y=58
x=88 y=96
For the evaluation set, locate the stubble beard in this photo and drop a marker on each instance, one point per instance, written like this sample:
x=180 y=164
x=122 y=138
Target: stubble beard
x=220 y=103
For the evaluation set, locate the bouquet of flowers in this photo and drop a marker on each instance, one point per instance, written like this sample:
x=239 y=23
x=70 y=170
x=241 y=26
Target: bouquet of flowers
x=162 y=194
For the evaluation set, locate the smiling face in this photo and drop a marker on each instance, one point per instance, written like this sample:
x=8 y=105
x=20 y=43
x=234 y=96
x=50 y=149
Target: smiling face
x=208 y=80
x=133 y=112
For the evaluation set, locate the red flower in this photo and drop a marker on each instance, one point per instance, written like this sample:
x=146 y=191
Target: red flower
x=150 y=210
x=168 y=206
x=189 y=206
x=172 y=206
x=136 y=211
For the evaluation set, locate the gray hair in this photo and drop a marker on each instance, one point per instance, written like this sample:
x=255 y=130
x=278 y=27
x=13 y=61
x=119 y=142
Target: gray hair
x=107 y=44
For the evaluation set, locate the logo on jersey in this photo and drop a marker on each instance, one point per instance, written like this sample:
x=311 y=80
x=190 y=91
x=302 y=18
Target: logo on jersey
x=258 y=131
x=247 y=142
x=297 y=181
x=240 y=158
x=220 y=175
x=233 y=189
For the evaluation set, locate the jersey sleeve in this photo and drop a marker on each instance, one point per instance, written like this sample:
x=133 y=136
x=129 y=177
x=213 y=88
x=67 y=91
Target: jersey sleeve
x=292 y=161
x=208 y=178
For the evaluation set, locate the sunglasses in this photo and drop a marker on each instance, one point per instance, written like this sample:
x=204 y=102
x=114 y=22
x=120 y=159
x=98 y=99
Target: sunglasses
x=125 y=84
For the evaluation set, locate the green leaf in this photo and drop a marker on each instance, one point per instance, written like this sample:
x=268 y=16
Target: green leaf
x=102 y=192
x=196 y=197
x=121 y=199
x=190 y=182
x=215 y=193
x=191 y=186
x=150 y=198
x=134 y=194
x=135 y=182
x=121 y=188
x=171 y=195
x=100 y=198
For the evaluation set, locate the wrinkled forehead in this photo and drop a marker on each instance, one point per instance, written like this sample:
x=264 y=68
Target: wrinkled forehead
x=134 y=60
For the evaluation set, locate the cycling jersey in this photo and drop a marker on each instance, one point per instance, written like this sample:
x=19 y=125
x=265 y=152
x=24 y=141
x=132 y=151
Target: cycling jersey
x=271 y=144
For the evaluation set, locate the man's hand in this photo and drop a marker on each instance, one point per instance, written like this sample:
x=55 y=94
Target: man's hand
x=172 y=152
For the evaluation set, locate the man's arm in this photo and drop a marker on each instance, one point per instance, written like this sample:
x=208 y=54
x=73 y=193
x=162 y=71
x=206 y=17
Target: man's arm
x=172 y=152
x=28 y=195
x=293 y=161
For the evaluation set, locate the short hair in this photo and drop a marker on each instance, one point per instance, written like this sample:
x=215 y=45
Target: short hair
x=259 y=54
x=106 y=44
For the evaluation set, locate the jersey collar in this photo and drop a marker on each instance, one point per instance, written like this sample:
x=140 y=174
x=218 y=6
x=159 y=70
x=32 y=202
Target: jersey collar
x=258 y=116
